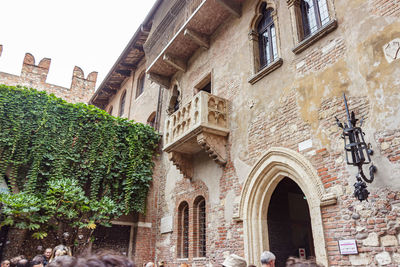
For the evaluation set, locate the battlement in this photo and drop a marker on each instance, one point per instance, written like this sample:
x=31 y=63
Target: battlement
x=35 y=76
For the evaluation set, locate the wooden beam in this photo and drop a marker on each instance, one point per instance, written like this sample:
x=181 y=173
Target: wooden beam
x=159 y=79
x=127 y=65
x=177 y=63
x=125 y=73
x=232 y=6
x=198 y=38
x=145 y=29
x=137 y=47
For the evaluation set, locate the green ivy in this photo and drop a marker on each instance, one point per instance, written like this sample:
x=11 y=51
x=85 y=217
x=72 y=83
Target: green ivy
x=43 y=138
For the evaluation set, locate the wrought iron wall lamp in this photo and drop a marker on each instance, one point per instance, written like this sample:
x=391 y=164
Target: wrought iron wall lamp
x=357 y=152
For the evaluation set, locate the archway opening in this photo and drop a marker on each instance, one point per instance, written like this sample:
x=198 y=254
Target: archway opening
x=289 y=223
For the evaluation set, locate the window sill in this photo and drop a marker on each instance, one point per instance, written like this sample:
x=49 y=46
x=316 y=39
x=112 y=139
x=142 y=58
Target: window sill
x=182 y=259
x=332 y=25
x=265 y=71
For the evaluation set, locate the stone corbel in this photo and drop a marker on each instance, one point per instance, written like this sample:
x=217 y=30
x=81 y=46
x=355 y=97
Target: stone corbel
x=183 y=163
x=214 y=145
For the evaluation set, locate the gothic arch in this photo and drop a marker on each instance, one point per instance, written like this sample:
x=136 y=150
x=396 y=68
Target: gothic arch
x=175 y=97
x=271 y=168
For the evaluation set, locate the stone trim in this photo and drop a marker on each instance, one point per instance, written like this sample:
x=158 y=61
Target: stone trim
x=329 y=27
x=265 y=71
x=271 y=168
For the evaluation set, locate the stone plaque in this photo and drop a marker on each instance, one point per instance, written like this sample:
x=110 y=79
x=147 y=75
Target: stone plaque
x=166 y=224
x=392 y=50
x=348 y=247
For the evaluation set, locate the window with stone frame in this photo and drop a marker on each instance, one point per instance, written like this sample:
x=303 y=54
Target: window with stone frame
x=199 y=227
x=314 y=15
x=266 y=37
x=311 y=20
x=264 y=40
x=183 y=230
x=122 y=104
x=140 y=84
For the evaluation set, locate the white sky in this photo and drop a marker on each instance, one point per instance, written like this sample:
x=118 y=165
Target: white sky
x=90 y=34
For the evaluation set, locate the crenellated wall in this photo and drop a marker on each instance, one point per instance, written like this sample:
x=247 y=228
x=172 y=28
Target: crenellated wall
x=35 y=76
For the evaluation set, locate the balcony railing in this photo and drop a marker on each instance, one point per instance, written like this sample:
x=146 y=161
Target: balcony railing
x=201 y=124
x=205 y=112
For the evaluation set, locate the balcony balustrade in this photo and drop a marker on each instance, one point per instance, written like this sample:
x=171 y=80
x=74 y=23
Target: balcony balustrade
x=201 y=124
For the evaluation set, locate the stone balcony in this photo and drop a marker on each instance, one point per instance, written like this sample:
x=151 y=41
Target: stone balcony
x=186 y=27
x=201 y=124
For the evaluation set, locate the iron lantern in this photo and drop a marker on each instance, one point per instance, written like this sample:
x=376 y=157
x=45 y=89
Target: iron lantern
x=357 y=152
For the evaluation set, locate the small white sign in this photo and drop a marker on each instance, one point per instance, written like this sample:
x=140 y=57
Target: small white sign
x=166 y=224
x=348 y=247
x=305 y=145
x=302 y=253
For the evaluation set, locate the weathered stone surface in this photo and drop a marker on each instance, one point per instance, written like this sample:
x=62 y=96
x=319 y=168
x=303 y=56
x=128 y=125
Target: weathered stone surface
x=361 y=259
x=389 y=241
x=396 y=258
x=355 y=216
x=372 y=240
x=361 y=236
x=383 y=258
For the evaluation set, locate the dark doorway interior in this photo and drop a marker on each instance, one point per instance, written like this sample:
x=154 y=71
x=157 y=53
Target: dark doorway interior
x=289 y=224
x=115 y=238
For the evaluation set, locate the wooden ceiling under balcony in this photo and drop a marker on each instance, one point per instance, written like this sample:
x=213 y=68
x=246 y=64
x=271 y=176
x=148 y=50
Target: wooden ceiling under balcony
x=194 y=33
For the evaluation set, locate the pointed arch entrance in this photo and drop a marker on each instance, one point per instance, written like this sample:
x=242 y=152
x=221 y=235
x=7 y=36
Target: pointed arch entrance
x=274 y=166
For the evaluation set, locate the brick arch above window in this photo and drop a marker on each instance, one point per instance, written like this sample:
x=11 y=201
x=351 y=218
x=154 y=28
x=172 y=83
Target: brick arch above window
x=264 y=40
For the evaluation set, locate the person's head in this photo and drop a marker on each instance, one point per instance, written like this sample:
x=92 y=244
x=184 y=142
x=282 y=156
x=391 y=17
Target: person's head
x=14 y=261
x=47 y=253
x=92 y=261
x=268 y=259
x=150 y=264
x=184 y=265
x=295 y=262
x=234 y=260
x=60 y=250
x=161 y=264
x=36 y=263
x=5 y=263
x=23 y=263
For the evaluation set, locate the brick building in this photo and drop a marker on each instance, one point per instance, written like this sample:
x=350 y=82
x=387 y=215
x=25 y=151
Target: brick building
x=245 y=94
x=34 y=76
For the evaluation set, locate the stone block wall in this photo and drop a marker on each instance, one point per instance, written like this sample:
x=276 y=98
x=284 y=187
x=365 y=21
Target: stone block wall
x=34 y=76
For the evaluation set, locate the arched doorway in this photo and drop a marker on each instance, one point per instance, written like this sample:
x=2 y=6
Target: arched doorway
x=272 y=168
x=289 y=222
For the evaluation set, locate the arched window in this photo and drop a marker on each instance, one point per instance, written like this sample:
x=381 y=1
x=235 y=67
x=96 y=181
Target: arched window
x=140 y=84
x=122 y=104
x=199 y=225
x=174 y=100
x=110 y=110
x=183 y=230
x=267 y=37
x=314 y=15
x=152 y=119
x=264 y=40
